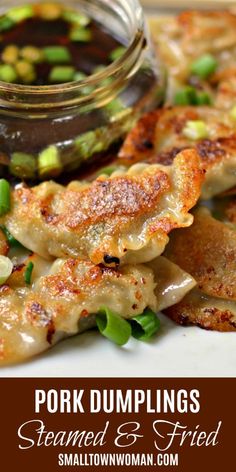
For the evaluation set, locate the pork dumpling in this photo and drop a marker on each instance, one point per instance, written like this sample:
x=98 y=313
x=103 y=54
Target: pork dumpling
x=159 y=136
x=207 y=251
x=176 y=38
x=64 y=302
x=124 y=218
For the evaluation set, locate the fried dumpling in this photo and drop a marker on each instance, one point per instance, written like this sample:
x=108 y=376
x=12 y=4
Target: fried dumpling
x=64 y=302
x=207 y=251
x=176 y=38
x=124 y=218
x=160 y=135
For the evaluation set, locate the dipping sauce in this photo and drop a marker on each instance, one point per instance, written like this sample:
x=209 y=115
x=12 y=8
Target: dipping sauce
x=60 y=107
x=47 y=44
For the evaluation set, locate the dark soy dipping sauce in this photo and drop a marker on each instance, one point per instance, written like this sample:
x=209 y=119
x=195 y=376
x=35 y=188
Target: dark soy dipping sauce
x=20 y=133
x=85 y=56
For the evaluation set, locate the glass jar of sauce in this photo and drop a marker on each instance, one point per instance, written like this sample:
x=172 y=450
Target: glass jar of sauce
x=49 y=128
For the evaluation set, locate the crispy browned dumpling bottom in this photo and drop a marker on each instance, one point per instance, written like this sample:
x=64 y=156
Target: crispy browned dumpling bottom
x=207 y=251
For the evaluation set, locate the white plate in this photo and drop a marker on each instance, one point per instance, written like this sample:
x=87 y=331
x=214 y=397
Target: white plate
x=175 y=352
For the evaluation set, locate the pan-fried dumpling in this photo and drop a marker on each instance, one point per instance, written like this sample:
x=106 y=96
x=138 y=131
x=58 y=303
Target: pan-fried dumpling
x=59 y=304
x=124 y=218
x=176 y=38
x=160 y=135
x=207 y=251
x=64 y=300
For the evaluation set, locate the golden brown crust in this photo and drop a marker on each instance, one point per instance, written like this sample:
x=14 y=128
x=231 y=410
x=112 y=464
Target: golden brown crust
x=140 y=142
x=207 y=251
x=217 y=152
x=190 y=312
x=116 y=217
x=65 y=302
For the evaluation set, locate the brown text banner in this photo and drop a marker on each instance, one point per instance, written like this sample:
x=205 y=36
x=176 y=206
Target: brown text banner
x=112 y=424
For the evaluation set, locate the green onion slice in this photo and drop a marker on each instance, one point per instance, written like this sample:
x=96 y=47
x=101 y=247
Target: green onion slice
x=28 y=273
x=107 y=170
x=10 y=239
x=145 y=326
x=204 y=66
x=76 y=18
x=112 y=326
x=62 y=74
x=6 y=267
x=20 y=13
x=6 y=23
x=23 y=165
x=203 y=98
x=195 y=129
x=8 y=73
x=49 y=161
x=82 y=35
x=57 y=54
x=186 y=96
x=117 y=53
x=5 y=197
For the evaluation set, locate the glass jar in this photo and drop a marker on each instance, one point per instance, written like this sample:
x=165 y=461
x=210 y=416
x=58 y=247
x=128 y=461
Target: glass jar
x=81 y=122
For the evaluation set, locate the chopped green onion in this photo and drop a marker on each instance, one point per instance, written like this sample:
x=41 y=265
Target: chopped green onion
x=195 y=130
x=10 y=239
x=76 y=18
x=62 y=74
x=186 y=96
x=117 y=53
x=5 y=197
x=204 y=66
x=57 y=54
x=49 y=11
x=32 y=54
x=28 y=273
x=6 y=23
x=80 y=34
x=23 y=165
x=8 y=73
x=6 y=267
x=91 y=142
x=107 y=170
x=115 y=106
x=232 y=113
x=26 y=71
x=10 y=54
x=22 y=13
x=80 y=76
x=145 y=326
x=112 y=326
x=49 y=162
x=203 y=98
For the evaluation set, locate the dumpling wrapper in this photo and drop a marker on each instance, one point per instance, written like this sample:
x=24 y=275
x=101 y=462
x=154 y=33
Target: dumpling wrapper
x=207 y=251
x=159 y=136
x=64 y=302
x=125 y=218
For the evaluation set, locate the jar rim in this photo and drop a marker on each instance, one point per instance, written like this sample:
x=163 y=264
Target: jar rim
x=26 y=96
